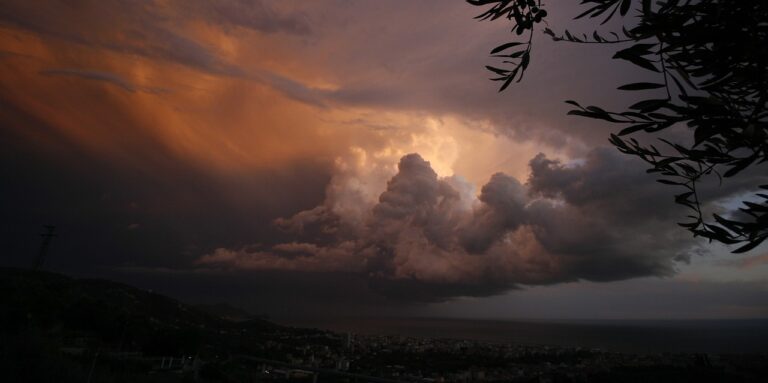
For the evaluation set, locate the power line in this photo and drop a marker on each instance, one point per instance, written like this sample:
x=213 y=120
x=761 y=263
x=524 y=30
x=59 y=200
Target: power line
x=47 y=236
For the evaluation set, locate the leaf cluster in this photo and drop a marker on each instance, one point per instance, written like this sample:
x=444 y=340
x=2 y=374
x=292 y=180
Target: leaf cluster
x=711 y=59
x=524 y=14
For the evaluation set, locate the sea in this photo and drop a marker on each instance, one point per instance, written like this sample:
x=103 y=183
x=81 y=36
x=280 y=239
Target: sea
x=739 y=336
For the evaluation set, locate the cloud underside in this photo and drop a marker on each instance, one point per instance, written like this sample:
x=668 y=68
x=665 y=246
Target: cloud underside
x=428 y=238
x=171 y=135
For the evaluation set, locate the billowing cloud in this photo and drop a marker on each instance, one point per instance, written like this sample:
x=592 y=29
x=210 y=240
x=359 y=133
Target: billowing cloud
x=426 y=239
x=265 y=137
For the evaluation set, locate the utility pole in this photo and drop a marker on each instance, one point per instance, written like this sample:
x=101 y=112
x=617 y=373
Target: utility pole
x=47 y=236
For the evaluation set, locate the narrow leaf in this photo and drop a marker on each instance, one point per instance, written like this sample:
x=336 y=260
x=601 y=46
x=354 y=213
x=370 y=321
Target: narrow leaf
x=641 y=86
x=504 y=46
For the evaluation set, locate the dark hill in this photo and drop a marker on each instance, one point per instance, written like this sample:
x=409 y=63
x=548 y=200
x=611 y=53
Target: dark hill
x=47 y=300
x=225 y=311
x=53 y=327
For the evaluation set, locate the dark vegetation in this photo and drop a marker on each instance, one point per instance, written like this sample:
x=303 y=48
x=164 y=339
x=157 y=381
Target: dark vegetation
x=710 y=63
x=60 y=329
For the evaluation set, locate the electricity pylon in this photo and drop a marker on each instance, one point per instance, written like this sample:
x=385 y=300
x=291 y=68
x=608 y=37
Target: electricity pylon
x=47 y=236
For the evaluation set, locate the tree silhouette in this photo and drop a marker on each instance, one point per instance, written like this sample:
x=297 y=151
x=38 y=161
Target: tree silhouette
x=711 y=58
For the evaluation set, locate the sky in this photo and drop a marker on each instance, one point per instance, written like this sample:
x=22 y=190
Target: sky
x=340 y=157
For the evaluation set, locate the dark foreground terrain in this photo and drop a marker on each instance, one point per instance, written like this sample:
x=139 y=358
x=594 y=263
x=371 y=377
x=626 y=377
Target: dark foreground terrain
x=59 y=329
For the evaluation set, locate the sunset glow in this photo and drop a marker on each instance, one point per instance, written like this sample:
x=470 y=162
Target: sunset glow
x=310 y=139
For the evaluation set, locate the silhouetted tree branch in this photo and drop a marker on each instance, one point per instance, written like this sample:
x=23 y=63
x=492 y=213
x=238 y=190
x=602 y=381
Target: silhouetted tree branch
x=712 y=61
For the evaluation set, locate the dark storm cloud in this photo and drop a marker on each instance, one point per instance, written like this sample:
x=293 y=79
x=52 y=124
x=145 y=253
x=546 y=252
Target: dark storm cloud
x=182 y=192
x=589 y=220
x=604 y=181
x=502 y=210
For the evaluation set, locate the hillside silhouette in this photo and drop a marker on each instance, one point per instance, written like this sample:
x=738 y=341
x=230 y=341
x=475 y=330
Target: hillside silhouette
x=58 y=328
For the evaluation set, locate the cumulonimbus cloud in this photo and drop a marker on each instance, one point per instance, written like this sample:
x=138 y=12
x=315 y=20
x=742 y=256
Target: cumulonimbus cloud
x=429 y=238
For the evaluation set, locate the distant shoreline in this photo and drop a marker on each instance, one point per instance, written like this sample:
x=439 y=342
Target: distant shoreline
x=635 y=336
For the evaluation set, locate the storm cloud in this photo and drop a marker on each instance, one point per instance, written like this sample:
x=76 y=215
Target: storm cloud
x=181 y=144
x=424 y=239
